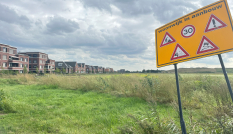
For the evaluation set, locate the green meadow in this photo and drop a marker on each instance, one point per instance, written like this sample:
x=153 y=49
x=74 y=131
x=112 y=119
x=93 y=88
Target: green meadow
x=114 y=103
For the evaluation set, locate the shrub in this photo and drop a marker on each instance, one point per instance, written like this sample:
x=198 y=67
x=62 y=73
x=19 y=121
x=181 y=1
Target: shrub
x=4 y=104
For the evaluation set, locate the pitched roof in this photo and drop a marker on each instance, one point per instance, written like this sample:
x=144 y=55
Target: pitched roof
x=71 y=63
x=63 y=65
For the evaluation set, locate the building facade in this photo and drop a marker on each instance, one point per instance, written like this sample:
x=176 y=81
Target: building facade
x=81 y=68
x=50 y=66
x=63 y=67
x=40 y=62
x=100 y=69
x=10 y=60
x=107 y=70
x=111 y=70
x=74 y=65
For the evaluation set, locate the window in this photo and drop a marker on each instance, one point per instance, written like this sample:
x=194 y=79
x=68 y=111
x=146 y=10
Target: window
x=21 y=59
x=34 y=61
x=26 y=65
x=30 y=61
x=21 y=71
x=21 y=65
x=40 y=61
x=4 y=49
x=41 y=56
x=26 y=59
x=4 y=65
x=34 y=55
x=29 y=55
x=30 y=66
x=60 y=64
x=11 y=51
x=4 y=57
x=40 y=67
x=34 y=66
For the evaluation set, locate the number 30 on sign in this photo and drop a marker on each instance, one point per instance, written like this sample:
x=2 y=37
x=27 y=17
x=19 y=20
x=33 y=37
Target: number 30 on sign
x=188 y=31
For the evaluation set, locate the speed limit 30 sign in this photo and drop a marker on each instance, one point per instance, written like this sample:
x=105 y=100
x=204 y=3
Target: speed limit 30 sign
x=188 y=31
x=205 y=32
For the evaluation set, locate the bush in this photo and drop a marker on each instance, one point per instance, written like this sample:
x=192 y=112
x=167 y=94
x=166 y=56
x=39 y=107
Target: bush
x=151 y=124
x=4 y=104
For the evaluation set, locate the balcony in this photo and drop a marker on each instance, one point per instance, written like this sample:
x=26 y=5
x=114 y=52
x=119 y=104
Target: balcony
x=14 y=66
x=14 y=59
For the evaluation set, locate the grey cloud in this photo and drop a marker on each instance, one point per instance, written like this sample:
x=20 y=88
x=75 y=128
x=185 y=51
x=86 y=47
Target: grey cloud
x=10 y=16
x=123 y=43
x=59 y=25
x=100 y=4
x=207 y=2
x=164 y=11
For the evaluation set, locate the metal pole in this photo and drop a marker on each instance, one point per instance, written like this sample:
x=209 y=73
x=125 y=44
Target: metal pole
x=226 y=77
x=182 y=123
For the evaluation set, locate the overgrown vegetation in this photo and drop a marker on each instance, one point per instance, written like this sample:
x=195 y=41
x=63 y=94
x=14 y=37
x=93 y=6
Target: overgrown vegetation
x=205 y=98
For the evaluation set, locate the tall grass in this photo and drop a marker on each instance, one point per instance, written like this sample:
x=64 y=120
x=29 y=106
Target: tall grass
x=205 y=98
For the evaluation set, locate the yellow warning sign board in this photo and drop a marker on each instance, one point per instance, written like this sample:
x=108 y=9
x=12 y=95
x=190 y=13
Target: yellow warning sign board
x=204 y=32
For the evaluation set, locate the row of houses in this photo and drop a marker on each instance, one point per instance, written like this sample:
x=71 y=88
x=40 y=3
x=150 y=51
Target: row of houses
x=74 y=67
x=38 y=62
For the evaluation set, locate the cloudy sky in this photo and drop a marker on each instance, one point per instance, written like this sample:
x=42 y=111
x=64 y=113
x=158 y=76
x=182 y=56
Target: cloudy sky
x=109 y=33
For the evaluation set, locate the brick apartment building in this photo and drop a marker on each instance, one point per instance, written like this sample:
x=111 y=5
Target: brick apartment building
x=41 y=61
x=81 y=68
x=10 y=60
x=62 y=65
x=111 y=70
x=100 y=69
x=50 y=66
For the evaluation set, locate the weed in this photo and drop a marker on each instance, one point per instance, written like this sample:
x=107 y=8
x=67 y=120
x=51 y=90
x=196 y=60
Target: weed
x=151 y=123
x=4 y=104
x=102 y=85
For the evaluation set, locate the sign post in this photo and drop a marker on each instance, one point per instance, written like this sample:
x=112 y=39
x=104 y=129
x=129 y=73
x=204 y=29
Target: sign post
x=226 y=77
x=182 y=123
x=205 y=32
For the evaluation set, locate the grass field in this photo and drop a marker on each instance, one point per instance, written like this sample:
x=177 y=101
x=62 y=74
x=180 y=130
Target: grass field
x=118 y=103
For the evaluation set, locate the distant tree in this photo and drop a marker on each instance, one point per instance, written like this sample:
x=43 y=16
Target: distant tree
x=45 y=70
x=37 y=70
x=2 y=70
x=57 y=70
x=143 y=71
x=92 y=71
x=25 y=70
x=63 y=70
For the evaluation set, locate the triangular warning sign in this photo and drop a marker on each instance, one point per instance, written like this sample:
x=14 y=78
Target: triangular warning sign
x=206 y=46
x=179 y=52
x=167 y=39
x=214 y=23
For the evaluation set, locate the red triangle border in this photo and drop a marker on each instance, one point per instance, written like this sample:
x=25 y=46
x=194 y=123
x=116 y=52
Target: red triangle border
x=186 y=53
x=168 y=42
x=208 y=24
x=202 y=40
